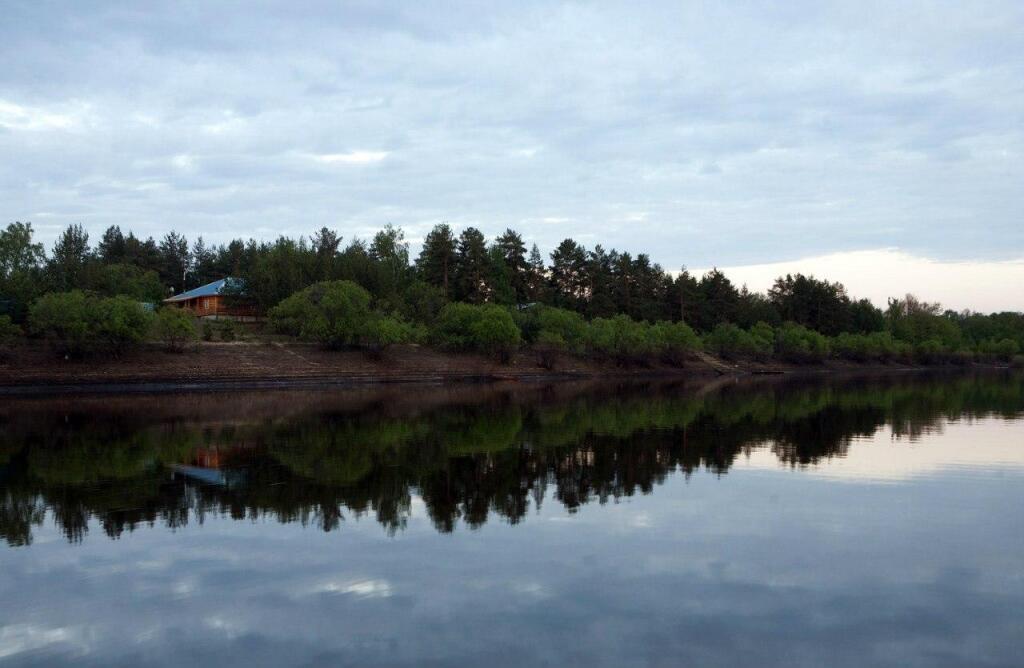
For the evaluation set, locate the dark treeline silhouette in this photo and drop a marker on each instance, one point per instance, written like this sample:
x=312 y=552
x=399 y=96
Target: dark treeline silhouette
x=464 y=267
x=322 y=462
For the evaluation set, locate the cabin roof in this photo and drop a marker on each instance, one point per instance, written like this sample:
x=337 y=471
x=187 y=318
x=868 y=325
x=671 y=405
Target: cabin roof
x=208 y=290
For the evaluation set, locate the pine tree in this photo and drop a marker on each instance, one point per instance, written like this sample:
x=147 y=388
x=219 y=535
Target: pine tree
x=69 y=257
x=513 y=254
x=436 y=263
x=112 y=248
x=174 y=260
x=569 y=275
x=471 y=267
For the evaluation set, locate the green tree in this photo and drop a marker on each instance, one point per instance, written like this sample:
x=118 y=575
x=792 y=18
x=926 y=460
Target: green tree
x=568 y=276
x=69 y=258
x=436 y=263
x=203 y=264
x=325 y=244
x=390 y=252
x=124 y=279
x=512 y=252
x=472 y=265
x=112 y=248
x=719 y=301
x=536 y=279
x=805 y=300
x=21 y=262
x=174 y=261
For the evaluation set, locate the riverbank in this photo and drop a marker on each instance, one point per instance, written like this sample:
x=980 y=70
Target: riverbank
x=32 y=369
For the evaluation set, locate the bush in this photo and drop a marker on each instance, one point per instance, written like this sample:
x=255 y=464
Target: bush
x=487 y=328
x=8 y=333
x=64 y=320
x=874 y=347
x=1003 y=350
x=931 y=351
x=333 y=313
x=730 y=342
x=620 y=338
x=548 y=345
x=553 y=323
x=78 y=323
x=385 y=331
x=796 y=343
x=208 y=330
x=176 y=328
x=120 y=322
x=8 y=330
x=674 y=341
x=227 y=330
x=422 y=302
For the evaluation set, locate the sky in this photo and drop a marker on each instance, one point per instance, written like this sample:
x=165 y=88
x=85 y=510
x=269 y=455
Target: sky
x=739 y=135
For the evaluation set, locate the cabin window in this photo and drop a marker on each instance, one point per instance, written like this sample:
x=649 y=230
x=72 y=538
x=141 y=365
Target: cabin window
x=206 y=304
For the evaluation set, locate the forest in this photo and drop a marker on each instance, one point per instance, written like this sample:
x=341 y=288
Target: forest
x=465 y=292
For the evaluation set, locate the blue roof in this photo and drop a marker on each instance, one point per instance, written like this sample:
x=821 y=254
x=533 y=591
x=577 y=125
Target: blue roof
x=208 y=290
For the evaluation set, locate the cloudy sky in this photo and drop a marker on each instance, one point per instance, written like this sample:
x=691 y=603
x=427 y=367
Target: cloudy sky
x=730 y=134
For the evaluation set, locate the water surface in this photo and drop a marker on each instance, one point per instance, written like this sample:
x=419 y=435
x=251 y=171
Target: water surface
x=850 y=522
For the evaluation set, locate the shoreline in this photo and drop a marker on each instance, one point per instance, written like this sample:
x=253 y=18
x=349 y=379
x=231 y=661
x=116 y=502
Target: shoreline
x=34 y=371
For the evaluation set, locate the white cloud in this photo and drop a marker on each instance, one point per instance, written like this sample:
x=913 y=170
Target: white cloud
x=744 y=134
x=18 y=117
x=352 y=157
x=880 y=274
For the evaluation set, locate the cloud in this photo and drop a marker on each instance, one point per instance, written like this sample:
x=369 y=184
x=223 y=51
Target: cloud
x=744 y=133
x=352 y=158
x=880 y=274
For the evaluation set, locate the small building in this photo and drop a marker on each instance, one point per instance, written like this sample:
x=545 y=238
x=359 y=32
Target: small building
x=220 y=299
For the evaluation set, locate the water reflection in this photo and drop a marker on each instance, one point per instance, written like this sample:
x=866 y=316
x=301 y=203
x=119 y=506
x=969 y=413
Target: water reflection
x=470 y=454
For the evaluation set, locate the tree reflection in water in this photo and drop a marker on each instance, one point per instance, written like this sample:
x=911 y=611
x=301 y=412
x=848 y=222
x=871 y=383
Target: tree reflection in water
x=469 y=453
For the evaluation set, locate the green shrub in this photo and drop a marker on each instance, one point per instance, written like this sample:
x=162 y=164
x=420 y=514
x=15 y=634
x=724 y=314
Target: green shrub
x=227 y=330
x=78 y=323
x=422 y=302
x=796 y=343
x=8 y=330
x=1003 y=350
x=874 y=347
x=120 y=322
x=487 y=328
x=175 y=328
x=64 y=320
x=548 y=345
x=620 y=338
x=674 y=341
x=333 y=313
x=385 y=331
x=8 y=333
x=208 y=330
x=764 y=338
x=569 y=326
x=931 y=351
x=730 y=342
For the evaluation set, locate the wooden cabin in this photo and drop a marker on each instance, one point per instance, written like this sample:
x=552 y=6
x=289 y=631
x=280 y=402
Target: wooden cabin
x=220 y=299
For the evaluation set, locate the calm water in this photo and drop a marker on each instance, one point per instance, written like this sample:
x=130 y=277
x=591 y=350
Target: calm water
x=872 y=521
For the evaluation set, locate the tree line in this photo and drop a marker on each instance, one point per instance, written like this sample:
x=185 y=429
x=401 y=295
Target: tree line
x=465 y=267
